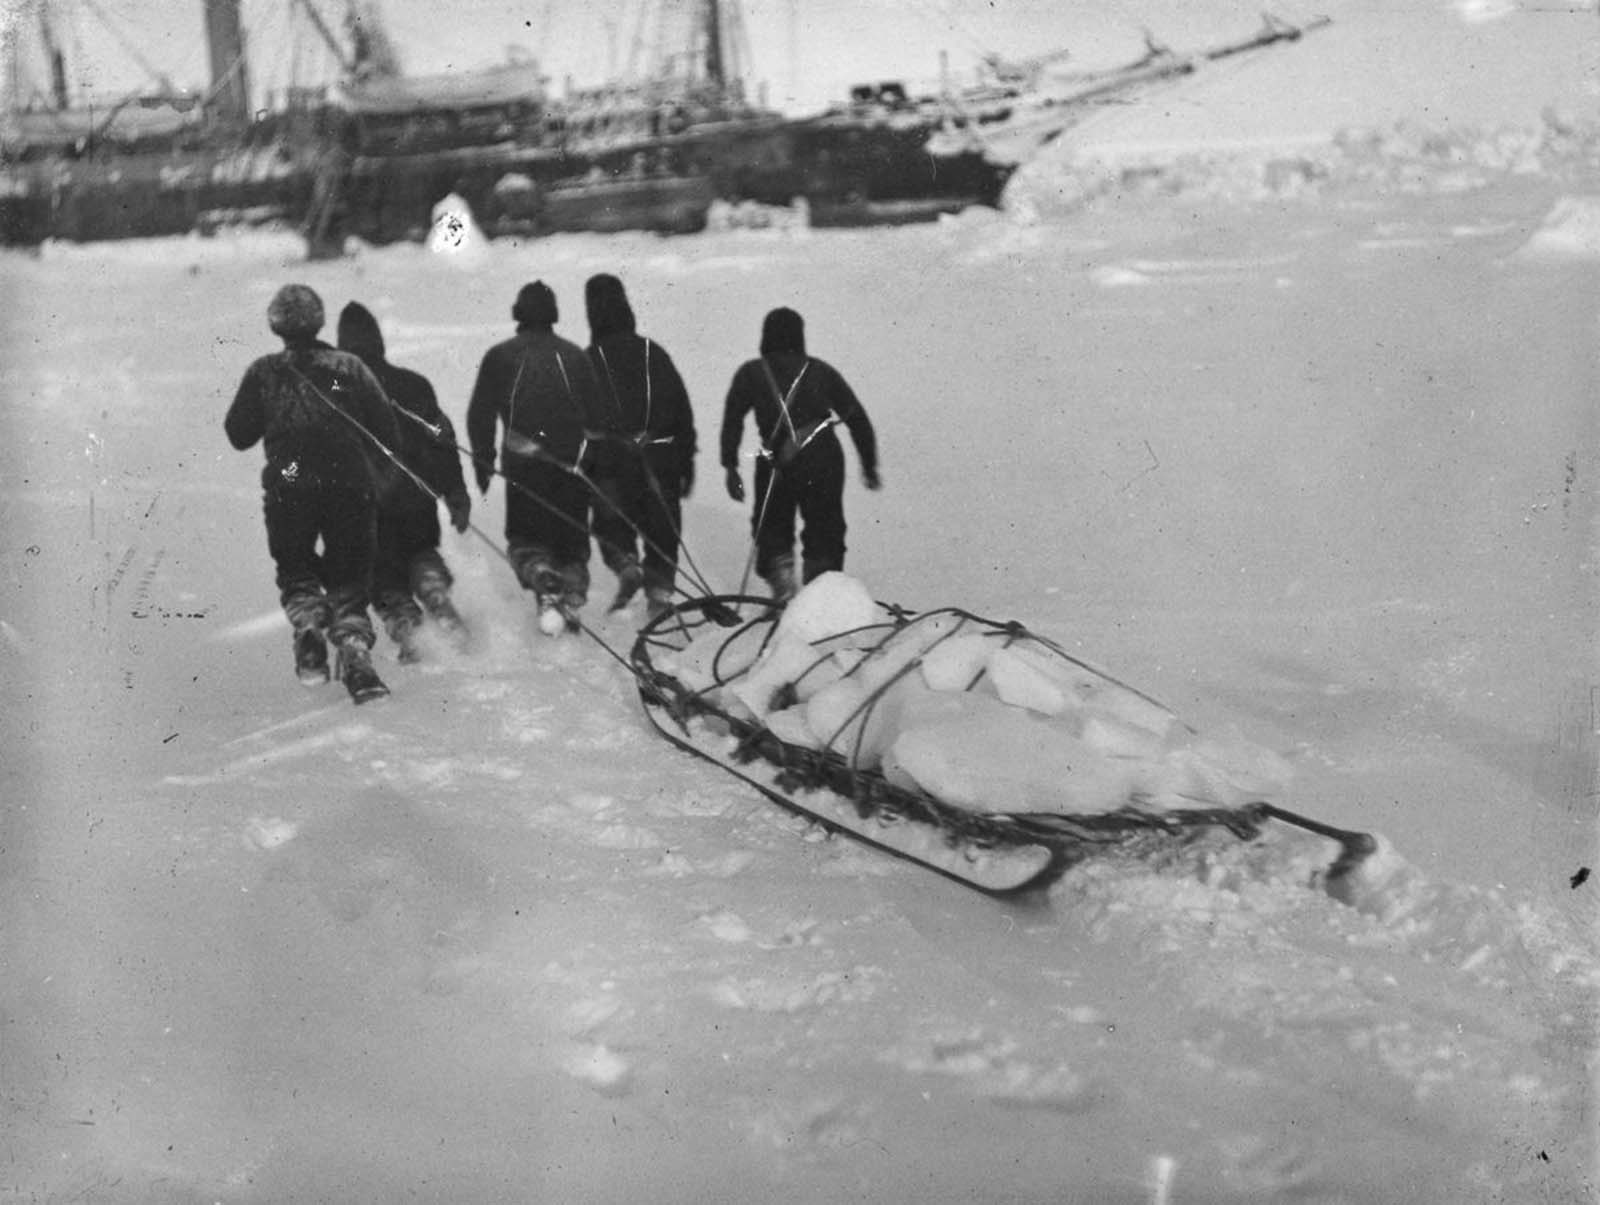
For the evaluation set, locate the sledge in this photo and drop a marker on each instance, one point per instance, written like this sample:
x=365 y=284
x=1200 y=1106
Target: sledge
x=973 y=747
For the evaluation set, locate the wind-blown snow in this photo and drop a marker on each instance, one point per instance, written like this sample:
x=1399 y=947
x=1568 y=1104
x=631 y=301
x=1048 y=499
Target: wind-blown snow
x=1319 y=475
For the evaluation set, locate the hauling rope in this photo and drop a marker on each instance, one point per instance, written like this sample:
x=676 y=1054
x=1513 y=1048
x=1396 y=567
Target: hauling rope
x=972 y=747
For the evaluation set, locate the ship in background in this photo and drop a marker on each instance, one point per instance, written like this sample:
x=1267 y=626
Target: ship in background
x=364 y=150
x=156 y=161
x=653 y=150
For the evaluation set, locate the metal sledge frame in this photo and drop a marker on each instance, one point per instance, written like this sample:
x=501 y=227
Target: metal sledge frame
x=1071 y=838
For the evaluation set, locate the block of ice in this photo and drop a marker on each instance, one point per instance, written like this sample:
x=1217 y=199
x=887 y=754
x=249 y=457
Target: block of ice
x=825 y=670
x=786 y=659
x=790 y=725
x=709 y=658
x=827 y=605
x=892 y=658
x=1002 y=758
x=1020 y=682
x=1124 y=705
x=953 y=664
x=834 y=715
x=1115 y=738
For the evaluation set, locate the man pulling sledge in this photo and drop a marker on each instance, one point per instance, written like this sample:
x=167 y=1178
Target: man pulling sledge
x=647 y=466
x=409 y=567
x=324 y=424
x=797 y=400
x=542 y=393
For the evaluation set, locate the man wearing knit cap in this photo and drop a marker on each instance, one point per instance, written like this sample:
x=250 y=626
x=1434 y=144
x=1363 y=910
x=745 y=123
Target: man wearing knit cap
x=647 y=465
x=797 y=400
x=325 y=425
x=542 y=393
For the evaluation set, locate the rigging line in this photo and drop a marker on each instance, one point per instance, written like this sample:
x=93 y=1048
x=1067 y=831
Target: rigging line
x=651 y=477
x=755 y=531
x=701 y=583
x=127 y=45
x=677 y=524
x=473 y=527
x=696 y=578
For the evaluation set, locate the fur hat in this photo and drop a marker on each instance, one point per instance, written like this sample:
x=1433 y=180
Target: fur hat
x=783 y=331
x=295 y=312
x=536 y=305
x=607 y=303
x=359 y=333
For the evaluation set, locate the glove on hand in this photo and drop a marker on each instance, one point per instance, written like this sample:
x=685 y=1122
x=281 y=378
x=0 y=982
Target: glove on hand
x=460 y=507
x=871 y=480
x=686 y=479
x=735 y=486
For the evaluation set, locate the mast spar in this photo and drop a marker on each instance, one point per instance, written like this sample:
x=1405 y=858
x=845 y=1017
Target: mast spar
x=230 y=79
x=716 y=72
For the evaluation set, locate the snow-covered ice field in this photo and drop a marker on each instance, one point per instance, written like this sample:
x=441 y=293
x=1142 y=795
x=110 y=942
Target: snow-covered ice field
x=1323 y=473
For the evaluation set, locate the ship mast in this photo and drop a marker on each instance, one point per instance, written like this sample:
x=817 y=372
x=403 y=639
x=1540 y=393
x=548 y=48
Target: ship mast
x=716 y=73
x=230 y=81
x=58 y=62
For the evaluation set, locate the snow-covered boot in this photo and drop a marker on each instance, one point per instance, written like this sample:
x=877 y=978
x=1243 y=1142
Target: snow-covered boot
x=357 y=674
x=629 y=578
x=657 y=602
x=550 y=596
x=311 y=656
x=781 y=578
x=436 y=602
x=404 y=625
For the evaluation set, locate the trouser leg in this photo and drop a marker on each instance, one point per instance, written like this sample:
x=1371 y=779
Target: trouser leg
x=661 y=520
x=822 y=514
x=292 y=530
x=614 y=526
x=547 y=532
x=349 y=540
x=392 y=596
x=772 y=521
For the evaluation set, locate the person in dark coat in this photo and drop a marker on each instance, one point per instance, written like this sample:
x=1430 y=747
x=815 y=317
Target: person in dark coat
x=647 y=464
x=322 y=419
x=409 y=566
x=797 y=400
x=542 y=392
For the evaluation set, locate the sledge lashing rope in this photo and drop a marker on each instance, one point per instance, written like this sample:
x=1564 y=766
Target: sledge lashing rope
x=697 y=663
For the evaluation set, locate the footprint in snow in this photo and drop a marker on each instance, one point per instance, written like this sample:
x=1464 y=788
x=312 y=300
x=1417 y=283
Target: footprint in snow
x=790 y=994
x=270 y=834
x=997 y=1071
x=598 y=1066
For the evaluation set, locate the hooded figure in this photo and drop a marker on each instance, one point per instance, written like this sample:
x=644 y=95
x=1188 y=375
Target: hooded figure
x=646 y=466
x=324 y=422
x=540 y=392
x=408 y=565
x=797 y=400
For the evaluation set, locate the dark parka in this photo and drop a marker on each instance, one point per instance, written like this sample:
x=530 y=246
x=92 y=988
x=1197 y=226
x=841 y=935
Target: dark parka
x=797 y=400
x=307 y=405
x=540 y=391
x=426 y=440
x=646 y=465
x=320 y=415
x=646 y=403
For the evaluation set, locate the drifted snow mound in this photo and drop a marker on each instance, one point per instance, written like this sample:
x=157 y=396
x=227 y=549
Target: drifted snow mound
x=1571 y=230
x=1409 y=157
x=980 y=716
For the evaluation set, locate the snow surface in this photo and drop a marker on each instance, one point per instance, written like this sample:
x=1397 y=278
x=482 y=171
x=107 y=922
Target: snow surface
x=1323 y=474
